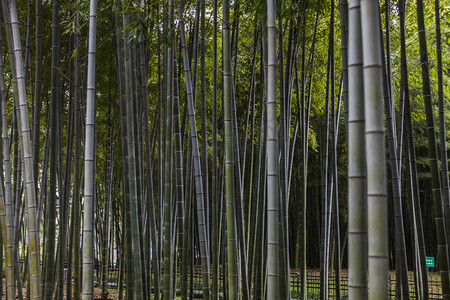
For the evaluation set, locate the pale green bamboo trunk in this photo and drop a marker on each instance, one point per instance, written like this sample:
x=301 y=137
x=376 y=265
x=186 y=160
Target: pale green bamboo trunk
x=357 y=207
x=6 y=219
x=168 y=238
x=375 y=152
x=10 y=198
x=89 y=160
x=24 y=128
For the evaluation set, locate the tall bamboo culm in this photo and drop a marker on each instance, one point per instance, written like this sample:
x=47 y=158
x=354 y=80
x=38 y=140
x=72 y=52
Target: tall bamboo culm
x=168 y=154
x=232 y=249
x=33 y=224
x=375 y=152
x=272 y=156
x=357 y=207
x=89 y=160
x=6 y=218
x=49 y=262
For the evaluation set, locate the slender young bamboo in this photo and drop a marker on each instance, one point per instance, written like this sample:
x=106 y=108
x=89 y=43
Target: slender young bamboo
x=250 y=238
x=338 y=250
x=343 y=11
x=333 y=163
x=333 y=156
x=119 y=239
x=357 y=232
x=168 y=146
x=77 y=166
x=38 y=90
x=89 y=159
x=179 y=167
x=7 y=213
x=417 y=215
x=214 y=189
x=260 y=194
x=44 y=177
x=282 y=167
x=193 y=62
x=239 y=213
x=204 y=138
x=64 y=204
x=16 y=194
x=272 y=156
x=128 y=240
x=186 y=226
x=388 y=68
x=232 y=248
x=136 y=139
x=50 y=215
x=18 y=202
x=234 y=43
x=389 y=56
x=107 y=201
x=161 y=92
x=326 y=193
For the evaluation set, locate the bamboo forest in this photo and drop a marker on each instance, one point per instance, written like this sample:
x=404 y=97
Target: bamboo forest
x=224 y=149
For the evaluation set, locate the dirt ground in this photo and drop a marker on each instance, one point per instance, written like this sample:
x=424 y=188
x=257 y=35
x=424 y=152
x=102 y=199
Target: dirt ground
x=113 y=295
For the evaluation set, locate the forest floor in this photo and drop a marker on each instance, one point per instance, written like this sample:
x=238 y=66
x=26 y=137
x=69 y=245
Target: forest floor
x=434 y=282
x=113 y=294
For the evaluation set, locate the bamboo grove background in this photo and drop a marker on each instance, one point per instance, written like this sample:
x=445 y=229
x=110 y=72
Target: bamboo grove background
x=246 y=139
